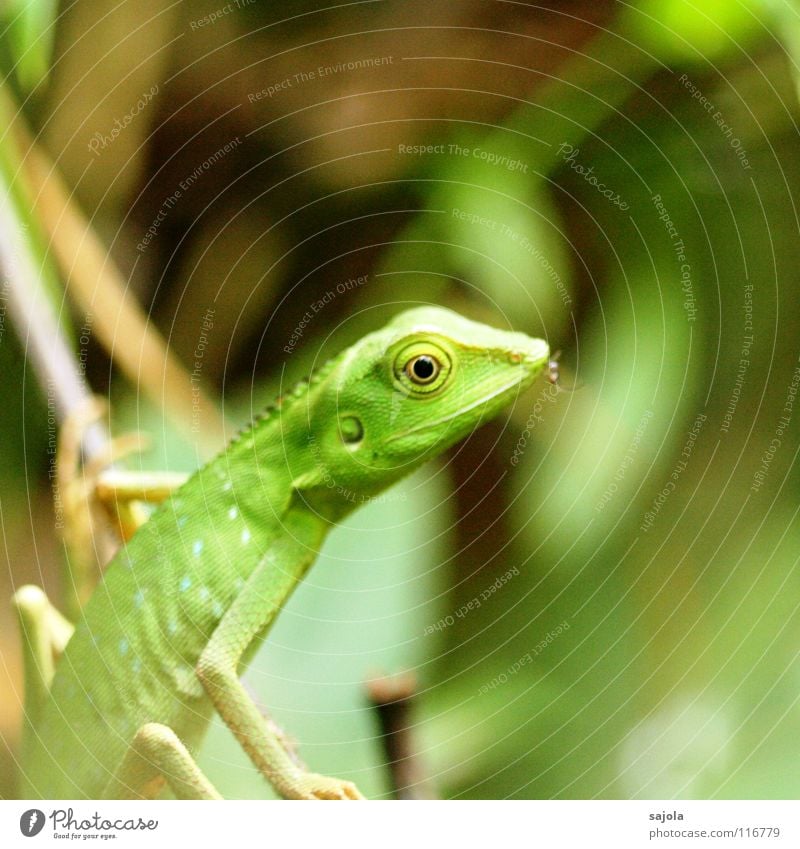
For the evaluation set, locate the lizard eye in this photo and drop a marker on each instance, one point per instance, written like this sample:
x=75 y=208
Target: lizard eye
x=422 y=368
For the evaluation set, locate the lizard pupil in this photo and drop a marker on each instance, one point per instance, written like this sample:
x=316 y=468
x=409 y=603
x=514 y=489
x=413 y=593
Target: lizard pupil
x=423 y=369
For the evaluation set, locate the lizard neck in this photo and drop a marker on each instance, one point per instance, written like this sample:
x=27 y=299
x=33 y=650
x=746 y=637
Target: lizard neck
x=267 y=461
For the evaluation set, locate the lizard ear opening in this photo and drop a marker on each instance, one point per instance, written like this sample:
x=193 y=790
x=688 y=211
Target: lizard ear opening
x=351 y=430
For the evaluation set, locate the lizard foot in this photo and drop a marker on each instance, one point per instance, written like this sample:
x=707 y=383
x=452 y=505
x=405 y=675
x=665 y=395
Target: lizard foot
x=313 y=786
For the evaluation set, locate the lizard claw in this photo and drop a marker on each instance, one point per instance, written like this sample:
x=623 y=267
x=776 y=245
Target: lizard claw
x=313 y=786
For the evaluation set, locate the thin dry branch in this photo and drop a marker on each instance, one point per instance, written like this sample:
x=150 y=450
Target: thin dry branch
x=98 y=287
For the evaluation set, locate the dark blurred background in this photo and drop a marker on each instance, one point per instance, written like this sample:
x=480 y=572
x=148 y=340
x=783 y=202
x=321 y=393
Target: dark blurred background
x=619 y=178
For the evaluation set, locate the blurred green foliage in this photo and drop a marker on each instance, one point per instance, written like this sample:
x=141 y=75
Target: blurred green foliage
x=677 y=675
x=28 y=38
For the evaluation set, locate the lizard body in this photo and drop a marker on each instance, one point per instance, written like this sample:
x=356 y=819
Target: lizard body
x=183 y=606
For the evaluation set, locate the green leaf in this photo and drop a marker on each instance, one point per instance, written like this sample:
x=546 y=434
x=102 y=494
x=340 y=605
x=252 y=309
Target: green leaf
x=681 y=31
x=30 y=27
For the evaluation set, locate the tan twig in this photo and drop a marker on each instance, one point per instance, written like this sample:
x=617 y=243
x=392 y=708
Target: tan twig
x=391 y=698
x=97 y=286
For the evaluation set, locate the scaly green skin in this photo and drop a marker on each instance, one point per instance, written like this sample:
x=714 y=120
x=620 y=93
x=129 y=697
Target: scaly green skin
x=256 y=516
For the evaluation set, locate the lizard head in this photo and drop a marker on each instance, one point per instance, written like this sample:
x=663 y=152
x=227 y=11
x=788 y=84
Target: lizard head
x=404 y=394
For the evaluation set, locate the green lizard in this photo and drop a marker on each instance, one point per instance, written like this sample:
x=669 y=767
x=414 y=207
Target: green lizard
x=115 y=708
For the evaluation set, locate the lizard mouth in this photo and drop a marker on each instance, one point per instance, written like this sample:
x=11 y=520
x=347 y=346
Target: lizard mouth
x=504 y=389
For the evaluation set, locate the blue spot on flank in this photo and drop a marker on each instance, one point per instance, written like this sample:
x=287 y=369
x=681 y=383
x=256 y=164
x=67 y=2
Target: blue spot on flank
x=138 y=598
x=182 y=520
x=227 y=487
x=217 y=610
x=185 y=583
x=204 y=594
x=123 y=646
x=136 y=665
x=197 y=548
x=233 y=512
x=245 y=536
x=172 y=626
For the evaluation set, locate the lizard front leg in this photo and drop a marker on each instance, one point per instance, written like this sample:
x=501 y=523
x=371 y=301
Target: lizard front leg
x=88 y=543
x=122 y=492
x=247 y=619
x=156 y=756
x=45 y=633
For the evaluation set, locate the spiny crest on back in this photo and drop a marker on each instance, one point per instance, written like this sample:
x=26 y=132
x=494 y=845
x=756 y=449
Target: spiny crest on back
x=286 y=400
